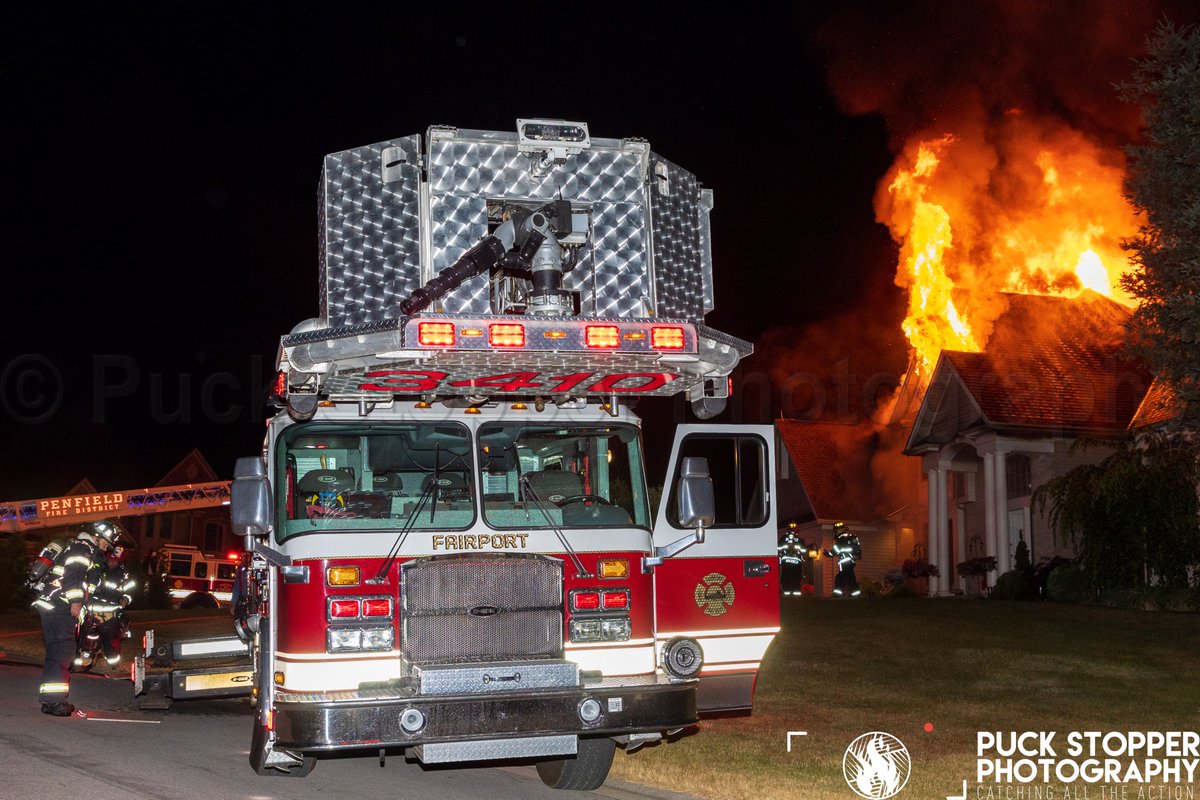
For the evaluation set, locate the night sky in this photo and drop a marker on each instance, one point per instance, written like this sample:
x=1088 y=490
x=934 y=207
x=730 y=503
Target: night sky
x=163 y=164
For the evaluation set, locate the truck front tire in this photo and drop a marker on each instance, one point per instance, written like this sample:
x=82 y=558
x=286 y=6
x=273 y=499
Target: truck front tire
x=586 y=771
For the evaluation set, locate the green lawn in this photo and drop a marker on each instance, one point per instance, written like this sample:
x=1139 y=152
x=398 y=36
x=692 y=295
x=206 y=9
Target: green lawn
x=843 y=668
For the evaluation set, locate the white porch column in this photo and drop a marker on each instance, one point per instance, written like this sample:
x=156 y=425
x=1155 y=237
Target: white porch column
x=1003 y=556
x=943 y=537
x=934 y=476
x=989 y=513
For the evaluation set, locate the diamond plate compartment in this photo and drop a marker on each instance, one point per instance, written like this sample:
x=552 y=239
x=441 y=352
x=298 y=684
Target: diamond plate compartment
x=525 y=747
x=369 y=231
x=466 y=168
x=682 y=254
x=500 y=676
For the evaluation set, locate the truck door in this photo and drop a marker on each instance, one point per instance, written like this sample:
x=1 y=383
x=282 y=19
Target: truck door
x=724 y=592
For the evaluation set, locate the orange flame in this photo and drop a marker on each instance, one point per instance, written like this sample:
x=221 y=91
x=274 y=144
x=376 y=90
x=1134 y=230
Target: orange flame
x=1026 y=208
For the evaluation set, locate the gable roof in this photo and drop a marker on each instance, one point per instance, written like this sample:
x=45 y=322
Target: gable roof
x=1053 y=365
x=833 y=463
x=1157 y=407
x=192 y=468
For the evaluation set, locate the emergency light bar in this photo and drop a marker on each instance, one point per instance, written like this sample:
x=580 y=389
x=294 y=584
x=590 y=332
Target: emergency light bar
x=551 y=333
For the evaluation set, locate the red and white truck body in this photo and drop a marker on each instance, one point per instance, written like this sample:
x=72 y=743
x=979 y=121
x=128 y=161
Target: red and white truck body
x=452 y=548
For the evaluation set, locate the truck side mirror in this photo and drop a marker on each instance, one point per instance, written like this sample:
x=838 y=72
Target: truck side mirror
x=250 y=500
x=697 y=506
x=697 y=510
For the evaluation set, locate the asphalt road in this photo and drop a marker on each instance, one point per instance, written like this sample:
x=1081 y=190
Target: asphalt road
x=199 y=749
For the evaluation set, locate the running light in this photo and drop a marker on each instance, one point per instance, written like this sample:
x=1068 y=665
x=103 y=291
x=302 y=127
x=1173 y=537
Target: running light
x=617 y=599
x=377 y=607
x=506 y=335
x=603 y=336
x=585 y=601
x=342 y=576
x=343 y=609
x=436 y=334
x=666 y=338
x=612 y=568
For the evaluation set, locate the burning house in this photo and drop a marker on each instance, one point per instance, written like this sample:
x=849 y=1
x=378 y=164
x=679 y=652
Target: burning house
x=995 y=425
x=1006 y=203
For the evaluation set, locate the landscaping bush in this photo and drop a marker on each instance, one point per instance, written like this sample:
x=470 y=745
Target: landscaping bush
x=1012 y=585
x=1068 y=584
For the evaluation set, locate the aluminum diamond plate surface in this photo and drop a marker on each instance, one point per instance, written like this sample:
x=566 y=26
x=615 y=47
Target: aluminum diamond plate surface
x=647 y=253
x=369 y=230
x=510 y=676
x=527 y=747
x=612 y=276
x=679 y=244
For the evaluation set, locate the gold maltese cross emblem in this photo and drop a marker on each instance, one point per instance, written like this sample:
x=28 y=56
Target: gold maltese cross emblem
x=714 y=594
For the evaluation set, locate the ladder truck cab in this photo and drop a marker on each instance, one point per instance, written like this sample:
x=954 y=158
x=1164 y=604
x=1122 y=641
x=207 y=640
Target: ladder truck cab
x=451 y=549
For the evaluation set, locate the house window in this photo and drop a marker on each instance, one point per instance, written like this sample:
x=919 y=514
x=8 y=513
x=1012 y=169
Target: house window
x=212 y=537
x=1018 y=475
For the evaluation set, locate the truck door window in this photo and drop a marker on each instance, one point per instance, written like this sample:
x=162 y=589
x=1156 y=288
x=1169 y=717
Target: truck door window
x=201 y=570
x=181 y=566
x=738 y=468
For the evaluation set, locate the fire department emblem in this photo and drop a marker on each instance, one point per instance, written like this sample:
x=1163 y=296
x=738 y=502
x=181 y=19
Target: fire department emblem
x=714 y=594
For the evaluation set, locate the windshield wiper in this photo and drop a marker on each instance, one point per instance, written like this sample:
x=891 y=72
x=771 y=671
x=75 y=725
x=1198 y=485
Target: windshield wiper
x=394 y=550
x=562 y=537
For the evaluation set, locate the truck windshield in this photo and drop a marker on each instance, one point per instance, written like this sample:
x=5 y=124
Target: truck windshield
x=542 y=476
x=374 y=477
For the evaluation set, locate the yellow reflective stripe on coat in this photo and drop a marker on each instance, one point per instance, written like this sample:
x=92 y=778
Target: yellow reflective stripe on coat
x=77 y=560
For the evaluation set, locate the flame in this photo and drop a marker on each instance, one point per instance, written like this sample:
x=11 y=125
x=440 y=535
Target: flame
x=933 y=322
x=1023 y=206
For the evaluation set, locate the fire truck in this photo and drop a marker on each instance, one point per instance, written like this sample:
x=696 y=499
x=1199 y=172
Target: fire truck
x=451 y=549
x=197 y=579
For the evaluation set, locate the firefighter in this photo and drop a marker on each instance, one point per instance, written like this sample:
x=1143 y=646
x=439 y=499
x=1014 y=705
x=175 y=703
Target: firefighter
x=60 y=605
x=792 y=552
x=847 y=549
x=106 y=608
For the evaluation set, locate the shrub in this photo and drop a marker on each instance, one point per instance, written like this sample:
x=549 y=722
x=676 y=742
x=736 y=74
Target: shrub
x=1068 y=584
x=919 y=569
x=1012 y=585
x=1021 y=559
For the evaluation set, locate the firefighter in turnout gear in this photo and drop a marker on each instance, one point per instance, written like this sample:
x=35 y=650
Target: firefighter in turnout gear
x=75 y=572
x=106 y=611
x=792 y=552
x=847 y=549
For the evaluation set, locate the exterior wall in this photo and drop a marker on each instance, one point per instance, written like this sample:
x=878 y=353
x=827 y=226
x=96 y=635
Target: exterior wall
x=1044 y=468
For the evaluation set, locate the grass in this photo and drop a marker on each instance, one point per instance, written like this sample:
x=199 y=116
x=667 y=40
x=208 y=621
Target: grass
x=843 y=668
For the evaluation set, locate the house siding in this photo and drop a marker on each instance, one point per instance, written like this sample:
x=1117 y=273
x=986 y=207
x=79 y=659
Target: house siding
x=1045 y=467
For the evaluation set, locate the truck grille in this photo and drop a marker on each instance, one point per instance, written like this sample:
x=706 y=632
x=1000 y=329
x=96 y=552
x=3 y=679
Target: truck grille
x=481 y=608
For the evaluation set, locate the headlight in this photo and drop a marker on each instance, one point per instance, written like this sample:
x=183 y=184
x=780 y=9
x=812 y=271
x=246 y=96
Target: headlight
x=600 y=629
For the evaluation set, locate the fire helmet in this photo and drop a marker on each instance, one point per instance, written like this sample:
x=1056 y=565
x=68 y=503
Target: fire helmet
x=104 y=529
